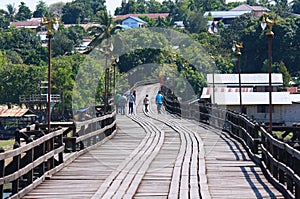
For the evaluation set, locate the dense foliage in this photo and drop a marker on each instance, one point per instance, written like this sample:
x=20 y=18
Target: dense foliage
x=23 y=59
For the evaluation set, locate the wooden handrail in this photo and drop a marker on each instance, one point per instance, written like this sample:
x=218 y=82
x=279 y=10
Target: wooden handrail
x=50 y=148
x=279 y=160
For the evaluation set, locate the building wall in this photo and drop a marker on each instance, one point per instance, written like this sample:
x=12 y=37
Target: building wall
x=292 y=114
x=288 y=114
x=131 y=23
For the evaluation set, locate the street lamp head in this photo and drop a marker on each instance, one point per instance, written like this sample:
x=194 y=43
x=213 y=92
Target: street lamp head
x=52 y=24
x=266 y=21
x=55 y=23
x=233 y=46
x=263 y=23
x=237 y=47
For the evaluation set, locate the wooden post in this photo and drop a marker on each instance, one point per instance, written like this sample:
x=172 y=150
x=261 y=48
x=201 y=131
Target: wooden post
x=2 y=172
x=16 y=166
x=59 y=144
x=29 y=158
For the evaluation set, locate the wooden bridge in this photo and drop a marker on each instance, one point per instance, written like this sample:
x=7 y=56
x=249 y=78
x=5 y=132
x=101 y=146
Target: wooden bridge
x=150 y=155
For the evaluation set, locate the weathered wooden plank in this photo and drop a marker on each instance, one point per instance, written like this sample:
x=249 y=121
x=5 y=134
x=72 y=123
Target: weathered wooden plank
x=191 y=158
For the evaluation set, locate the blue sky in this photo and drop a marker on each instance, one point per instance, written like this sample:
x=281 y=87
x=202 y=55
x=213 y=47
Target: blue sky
x=110 y=4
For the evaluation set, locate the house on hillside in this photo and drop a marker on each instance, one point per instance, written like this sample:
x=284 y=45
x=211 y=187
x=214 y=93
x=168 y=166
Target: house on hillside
x=257 y=11
x=255 y=96
x=228 y=16
x=33 y=23
x=225 y=16
x=150 y=15
x=84 y=26
x=133 y=22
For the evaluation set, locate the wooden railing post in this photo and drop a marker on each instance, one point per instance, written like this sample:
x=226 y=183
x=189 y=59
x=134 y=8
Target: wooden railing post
x=29 y=160
x=40 y=151
x=2 y=172
x=17 y=136
x=59 y=144
x=16 y=167
x=50 y=147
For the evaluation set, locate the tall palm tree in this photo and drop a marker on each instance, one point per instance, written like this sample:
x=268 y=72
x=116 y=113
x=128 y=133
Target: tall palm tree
x=11 y=11
x=102 y=33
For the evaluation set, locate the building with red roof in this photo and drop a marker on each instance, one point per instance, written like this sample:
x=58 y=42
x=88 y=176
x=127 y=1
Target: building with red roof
x=150 y=15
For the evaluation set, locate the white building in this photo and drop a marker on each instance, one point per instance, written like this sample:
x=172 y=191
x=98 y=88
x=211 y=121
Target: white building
x=255 y=96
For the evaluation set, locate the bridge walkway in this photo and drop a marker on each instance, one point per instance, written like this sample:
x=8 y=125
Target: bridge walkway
x=160 y=156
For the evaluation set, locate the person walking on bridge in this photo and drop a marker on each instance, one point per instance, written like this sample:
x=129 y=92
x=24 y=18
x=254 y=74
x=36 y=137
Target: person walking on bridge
x=159 y=100
x=122 y=103
x=146 y=103
x=131 y=101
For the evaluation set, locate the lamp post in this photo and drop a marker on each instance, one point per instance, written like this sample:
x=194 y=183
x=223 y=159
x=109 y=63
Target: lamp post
x=114 y=63
x=52 y=24
x=106 y=50
x=237 y=49
x=174 y=72
x=270 y=35
x=213 y=78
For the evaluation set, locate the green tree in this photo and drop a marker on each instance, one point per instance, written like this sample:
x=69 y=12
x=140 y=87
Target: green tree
x=154 y=6
x=41 y=9
x=82 y=11
x=72 y=13
x=26 y=43
x=281 y=68
x=11 y=11
x=75 y=34
x=57 y=8
x=23 y=12
x=105 y=30
x=245 y=29
x=281 y=8
x=296 y=6
x=210 y=5
x=130 y=7
x=4 y=20
x=195 y=22
x=142 y=6
x=64 y=71
x=61 y=44
x=167 y=6
x=19 y=79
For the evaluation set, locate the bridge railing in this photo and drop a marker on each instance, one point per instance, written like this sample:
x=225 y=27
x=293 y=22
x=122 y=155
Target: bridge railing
x=28 y=165
x=279 y=161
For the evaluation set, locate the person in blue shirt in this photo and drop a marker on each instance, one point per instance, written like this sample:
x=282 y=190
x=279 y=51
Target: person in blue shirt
x=159 y=100
x=131 y=101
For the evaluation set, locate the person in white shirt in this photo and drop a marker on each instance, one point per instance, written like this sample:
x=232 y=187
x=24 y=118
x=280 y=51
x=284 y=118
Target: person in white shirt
x=146 y=103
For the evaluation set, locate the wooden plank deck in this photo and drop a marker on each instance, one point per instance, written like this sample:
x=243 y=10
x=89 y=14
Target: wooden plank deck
x=160 y=156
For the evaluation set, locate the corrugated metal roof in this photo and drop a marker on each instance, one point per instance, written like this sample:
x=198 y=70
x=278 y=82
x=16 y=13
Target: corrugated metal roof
x=252 y=98
x=227 y=14
x=252 y=79
x=150 y=15
x=14 y=112
x=25 y=23
x=248 y=7
x=136 y=19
